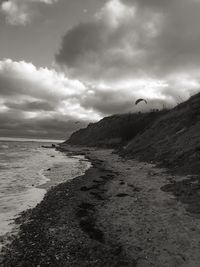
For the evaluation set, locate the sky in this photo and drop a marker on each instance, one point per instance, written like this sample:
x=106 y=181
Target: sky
x=65 y=63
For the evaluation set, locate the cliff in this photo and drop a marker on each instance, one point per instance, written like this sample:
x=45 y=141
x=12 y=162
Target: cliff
x=115 y=130
x=173 y=139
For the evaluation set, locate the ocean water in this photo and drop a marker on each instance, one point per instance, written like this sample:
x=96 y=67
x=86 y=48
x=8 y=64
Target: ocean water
x=27 y=170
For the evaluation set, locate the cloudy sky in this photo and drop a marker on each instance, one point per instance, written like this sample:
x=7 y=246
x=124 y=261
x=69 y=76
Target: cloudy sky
x=64 y=63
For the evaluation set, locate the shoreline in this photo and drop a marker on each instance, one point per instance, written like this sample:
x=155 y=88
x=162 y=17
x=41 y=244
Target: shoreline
x=80 y=216
x=114 y=215
x=35 y=193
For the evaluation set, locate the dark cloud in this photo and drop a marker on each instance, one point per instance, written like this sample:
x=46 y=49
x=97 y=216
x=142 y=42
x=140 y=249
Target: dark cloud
x=110 y=46
x=130 y=49
x=134 y=39
x=78 y=41
x=116 y=44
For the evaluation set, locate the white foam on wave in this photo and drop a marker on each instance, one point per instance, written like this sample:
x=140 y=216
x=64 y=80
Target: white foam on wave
x=44 y=178
x=27 y=199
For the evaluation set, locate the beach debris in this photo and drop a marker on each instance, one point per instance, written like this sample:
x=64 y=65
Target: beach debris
x=97 y=195
x=88 y=223
x=122 y=195
x=51 y=146
x=85 y=205
x=97 y=181
x=85 y=188
x=135 y=188
x=181 y=131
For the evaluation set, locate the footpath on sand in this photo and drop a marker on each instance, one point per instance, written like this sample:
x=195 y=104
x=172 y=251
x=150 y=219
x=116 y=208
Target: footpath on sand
x=120 y=213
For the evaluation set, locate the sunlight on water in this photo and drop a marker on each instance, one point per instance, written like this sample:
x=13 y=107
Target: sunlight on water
x=12 y=139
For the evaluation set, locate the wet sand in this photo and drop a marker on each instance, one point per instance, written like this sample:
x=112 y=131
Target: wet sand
x=120 y=213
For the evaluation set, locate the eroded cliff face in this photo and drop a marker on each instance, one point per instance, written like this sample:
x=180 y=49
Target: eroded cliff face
x=173 y=139
x=115 y=130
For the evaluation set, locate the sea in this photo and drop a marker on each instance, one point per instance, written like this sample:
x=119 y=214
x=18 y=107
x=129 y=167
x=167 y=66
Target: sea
x=28 y=168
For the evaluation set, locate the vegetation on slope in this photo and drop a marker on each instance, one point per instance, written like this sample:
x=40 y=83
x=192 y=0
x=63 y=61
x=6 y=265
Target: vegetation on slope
x=170 y=137
x=114 y=130
x=173 y=139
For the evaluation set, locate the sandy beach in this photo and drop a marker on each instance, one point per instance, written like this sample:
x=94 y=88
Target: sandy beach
x=120 y=213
